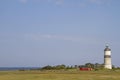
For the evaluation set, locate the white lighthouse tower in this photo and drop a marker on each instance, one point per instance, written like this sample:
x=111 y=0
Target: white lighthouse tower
x=107 y=58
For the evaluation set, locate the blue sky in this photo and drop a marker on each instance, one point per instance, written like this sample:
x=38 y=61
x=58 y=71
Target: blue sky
x=52 y=32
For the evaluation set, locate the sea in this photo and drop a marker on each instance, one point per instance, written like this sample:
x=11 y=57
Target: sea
x=18 y=68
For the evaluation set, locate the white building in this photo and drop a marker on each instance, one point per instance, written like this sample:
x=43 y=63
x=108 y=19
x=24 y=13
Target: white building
x=107 y=58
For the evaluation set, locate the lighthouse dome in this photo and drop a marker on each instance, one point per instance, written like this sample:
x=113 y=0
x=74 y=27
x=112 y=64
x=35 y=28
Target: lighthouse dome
x=107 y=48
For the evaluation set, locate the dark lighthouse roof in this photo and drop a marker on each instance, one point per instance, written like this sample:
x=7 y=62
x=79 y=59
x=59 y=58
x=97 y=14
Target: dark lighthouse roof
x=107 y=48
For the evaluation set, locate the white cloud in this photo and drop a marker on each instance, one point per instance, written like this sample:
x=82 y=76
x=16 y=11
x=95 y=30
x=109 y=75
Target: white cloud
x=54 y=37
x=82 y=3
x=60 y=37
x=59 y=2
x=78 y=39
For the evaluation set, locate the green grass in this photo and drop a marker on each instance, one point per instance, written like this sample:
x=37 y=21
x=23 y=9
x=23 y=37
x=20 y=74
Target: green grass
x=60 y=75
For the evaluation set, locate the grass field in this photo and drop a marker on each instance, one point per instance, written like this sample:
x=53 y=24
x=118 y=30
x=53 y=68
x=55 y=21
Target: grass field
x=60 y=75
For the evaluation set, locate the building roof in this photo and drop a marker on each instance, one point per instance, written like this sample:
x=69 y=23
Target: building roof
x=107 y=48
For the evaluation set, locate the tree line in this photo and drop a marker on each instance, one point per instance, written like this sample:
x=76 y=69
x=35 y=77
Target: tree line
x=57 y=67
x=95 y=66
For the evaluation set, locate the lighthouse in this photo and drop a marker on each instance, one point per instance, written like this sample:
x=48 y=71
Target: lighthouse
x=107 y=58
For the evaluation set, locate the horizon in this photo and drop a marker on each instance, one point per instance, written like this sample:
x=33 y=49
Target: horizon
x=51 y=32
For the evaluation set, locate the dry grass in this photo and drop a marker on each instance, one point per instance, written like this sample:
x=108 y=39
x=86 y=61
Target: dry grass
x=60 y=75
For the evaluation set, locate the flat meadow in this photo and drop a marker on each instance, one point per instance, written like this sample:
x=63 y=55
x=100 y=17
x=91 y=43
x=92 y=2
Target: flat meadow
x=60 y=75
